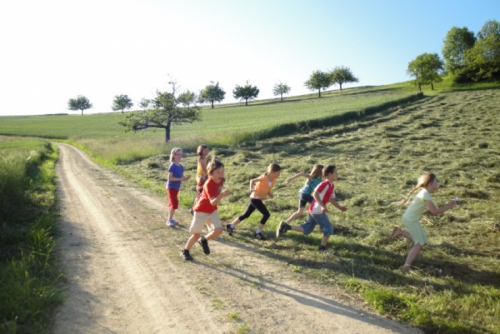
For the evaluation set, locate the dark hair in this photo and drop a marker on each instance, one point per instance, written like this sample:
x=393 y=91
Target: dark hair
x=272 y=168
x=200 y=149
x=328 y=169
x=213 y=165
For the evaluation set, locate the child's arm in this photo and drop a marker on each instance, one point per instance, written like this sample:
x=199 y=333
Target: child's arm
x=290 y=179
x=252 y=182
x=337 y=205
x=437 y=211
x=319 y=201
x=171 y=177
x=215 y=200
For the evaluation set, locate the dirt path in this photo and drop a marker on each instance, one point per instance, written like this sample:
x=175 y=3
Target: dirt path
x=124 y=273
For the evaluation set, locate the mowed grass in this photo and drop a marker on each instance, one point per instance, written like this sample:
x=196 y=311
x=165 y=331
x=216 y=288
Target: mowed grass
x=102 y=137
x=454 y=286
x=28 y=273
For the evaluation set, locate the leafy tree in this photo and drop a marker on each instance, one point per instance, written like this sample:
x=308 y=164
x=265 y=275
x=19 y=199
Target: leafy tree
x=144 y=103
x=212 y=93
x=342 y=74
x=280 y=89
x=121 y=102
x=247 y=92
x=426 y=69
x=80 y=103
x=166 y=109
x=456 y=43
x=319 y=80
x=482 y=61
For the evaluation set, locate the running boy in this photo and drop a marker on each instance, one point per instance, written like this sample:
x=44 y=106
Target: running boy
x=323 y=194
x=205 y=210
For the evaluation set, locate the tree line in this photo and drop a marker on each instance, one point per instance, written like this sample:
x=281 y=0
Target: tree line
x=466 y=57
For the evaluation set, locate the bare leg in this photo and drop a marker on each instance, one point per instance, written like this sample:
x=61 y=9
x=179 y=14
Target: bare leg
x=298 y=228
x=192 y=240
x=294 y=215
x=324 y=240
x=236 y=221
x=412 y=255
x=214 y=233
x=398 y=232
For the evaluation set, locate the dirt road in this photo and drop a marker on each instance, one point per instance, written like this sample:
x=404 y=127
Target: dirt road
x=124 y=273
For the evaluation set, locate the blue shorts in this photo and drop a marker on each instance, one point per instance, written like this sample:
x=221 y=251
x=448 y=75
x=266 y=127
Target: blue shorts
x=319 y=219
x=304 y=199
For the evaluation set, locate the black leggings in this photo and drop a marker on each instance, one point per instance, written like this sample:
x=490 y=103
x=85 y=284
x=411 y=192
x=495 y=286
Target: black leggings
x=259 y=205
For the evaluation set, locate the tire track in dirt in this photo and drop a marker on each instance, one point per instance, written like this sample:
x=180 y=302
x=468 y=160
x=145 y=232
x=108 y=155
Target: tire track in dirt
x=124 y=274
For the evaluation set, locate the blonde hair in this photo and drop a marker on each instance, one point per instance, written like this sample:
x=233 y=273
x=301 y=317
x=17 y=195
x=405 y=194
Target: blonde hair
x=213 y=165
x=200 y=149
x=317 y=171
x=423 y=182
x=172 y=153
x=273 y=168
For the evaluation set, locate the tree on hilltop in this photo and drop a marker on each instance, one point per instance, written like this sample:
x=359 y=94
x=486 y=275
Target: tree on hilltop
x=456 y=43
x=212 y=93
x=121 y=102
x=166 y=109
x=247 y=92
x=426 y=69
x=280 y=89
x=319 y=80
x=342 y=75
x=80 y=103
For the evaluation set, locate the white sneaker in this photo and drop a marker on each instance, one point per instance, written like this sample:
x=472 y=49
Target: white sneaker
x=171 y=223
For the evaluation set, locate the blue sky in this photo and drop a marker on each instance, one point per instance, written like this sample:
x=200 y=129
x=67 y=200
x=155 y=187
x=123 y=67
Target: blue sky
x=53 y=50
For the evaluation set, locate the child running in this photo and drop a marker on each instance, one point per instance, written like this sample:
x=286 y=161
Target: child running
x=264 y=183
x=427 y=184
x=205 y=210
x=201 y=173
x=323 y=194
x=174 y=178
x=313 y=180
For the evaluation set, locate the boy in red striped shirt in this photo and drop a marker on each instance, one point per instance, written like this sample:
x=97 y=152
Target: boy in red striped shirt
x=323 y=194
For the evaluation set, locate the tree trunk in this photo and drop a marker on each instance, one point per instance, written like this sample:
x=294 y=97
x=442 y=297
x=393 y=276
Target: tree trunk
x=340 y=87
x=281 y=97
x=246 y=102
x=319 y=92
x=82 y=112
x=167 y=132
x=420 y=87
x=432 y=86
x=212 y=104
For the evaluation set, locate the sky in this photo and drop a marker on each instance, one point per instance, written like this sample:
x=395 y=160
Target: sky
x=54 y=50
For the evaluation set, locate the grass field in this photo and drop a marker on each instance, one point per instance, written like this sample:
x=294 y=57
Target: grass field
x=102 y=137
x=28 y=273
x=455 y=284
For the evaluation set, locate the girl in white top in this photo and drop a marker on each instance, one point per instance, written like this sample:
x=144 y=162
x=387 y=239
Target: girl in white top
x=427 y=184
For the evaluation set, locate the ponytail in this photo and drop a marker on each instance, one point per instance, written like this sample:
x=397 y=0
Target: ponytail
x=423 y=181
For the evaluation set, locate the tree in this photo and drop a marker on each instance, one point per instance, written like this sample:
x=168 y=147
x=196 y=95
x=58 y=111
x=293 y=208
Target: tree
x=212 y=93
x=166 y=109
x=342 y=75
x=144 y=103
x=280 y=89
x=456 y=43
x=319 y=80
x=484 y=57
x=121 y=102
x=80 y=103
x=247 y=92
x=426 y=69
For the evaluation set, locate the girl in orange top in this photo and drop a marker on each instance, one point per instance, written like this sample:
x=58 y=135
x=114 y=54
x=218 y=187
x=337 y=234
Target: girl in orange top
x=263 y=188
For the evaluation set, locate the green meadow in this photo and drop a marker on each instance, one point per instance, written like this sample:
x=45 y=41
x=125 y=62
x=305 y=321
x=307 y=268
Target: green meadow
x=388 y=139
x=454 y=286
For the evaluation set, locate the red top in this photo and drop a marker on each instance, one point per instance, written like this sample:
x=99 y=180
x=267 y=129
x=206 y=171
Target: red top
x=210 y=190
x=326 y=191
